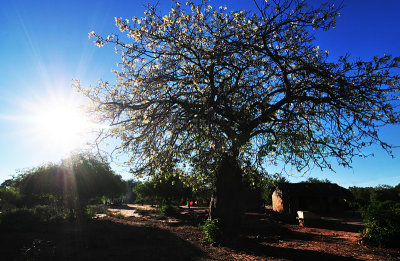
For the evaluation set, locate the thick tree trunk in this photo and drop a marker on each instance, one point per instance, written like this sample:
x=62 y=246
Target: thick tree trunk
x=226 y=201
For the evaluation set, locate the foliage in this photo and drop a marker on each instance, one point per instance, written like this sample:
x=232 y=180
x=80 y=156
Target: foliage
x=200 y=82
x=382 y=224
x=93 y=210
x=316 y=180
x=212 y=230
x=9 y=198
x=72 y=183
x=142 y=192
x=385 y=192
x=26 y=218
x=367 y=195
x=8 y=183
x=47 y=213
x=164 y=189
x=169 y=210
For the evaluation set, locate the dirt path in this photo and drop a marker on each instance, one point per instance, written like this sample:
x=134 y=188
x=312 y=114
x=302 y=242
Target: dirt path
x=265 y=238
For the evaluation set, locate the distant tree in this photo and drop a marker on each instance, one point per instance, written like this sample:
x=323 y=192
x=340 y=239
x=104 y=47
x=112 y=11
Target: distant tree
x=72 y=183
x=226 y=89
x=383 y=193
x=8 y=183
x=362 y=196
x=162 y=190
x=316 y=180
x=142 y=192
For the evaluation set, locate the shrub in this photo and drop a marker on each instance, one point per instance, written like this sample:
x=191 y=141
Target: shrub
x=9 y=199
x=53 y=214
x=168 y=210
x=212 y=230
x=93 y=210
x=382 y=224
x=19 y=219
x=45 y=213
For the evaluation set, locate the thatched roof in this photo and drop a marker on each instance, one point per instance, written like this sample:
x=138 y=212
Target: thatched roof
x=314 y=190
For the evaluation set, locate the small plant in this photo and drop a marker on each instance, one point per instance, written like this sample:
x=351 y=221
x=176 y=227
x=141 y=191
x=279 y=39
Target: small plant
x=212 y=230
x=168 y=210
x=382 y=225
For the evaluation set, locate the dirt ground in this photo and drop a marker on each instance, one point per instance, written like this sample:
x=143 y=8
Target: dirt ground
x=128 y=235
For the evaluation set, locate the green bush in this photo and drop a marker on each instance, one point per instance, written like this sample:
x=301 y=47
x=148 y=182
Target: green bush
x=212 y=230
x=47 y=213
x=168 y=210
x=9 y=199
x=19 y=219
x=382 y=224
x=93 y=210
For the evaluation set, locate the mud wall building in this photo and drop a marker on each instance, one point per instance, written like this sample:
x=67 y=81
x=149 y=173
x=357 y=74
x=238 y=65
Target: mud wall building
x=321 y=198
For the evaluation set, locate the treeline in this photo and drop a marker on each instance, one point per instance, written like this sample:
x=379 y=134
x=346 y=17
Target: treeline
x=168 y=190
x=364 y=196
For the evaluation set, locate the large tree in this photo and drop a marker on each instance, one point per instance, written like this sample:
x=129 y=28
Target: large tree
x=218 y=92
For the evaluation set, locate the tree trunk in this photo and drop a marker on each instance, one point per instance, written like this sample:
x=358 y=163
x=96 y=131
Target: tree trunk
x=226 y=201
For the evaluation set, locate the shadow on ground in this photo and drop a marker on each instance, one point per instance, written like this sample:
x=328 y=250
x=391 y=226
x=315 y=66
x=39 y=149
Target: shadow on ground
x=340 y=224
x=257 y=233
x=97 y=240
x=253 y=247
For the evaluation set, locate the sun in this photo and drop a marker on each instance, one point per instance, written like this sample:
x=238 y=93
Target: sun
x=59 y=124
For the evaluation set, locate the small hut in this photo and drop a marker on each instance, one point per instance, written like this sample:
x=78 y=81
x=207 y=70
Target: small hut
x=321 y=198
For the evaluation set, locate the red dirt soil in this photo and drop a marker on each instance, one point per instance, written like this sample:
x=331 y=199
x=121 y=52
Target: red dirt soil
x=152 y=237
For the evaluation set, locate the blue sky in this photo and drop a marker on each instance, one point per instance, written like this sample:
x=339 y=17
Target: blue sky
x=44 y=45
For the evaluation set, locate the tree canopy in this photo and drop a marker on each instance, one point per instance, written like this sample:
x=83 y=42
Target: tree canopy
x=219 y=93
x=200 y=82
x=164 y=190
x=73 y=183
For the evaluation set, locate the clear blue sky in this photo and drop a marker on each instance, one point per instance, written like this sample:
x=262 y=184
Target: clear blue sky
x=44 y=45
